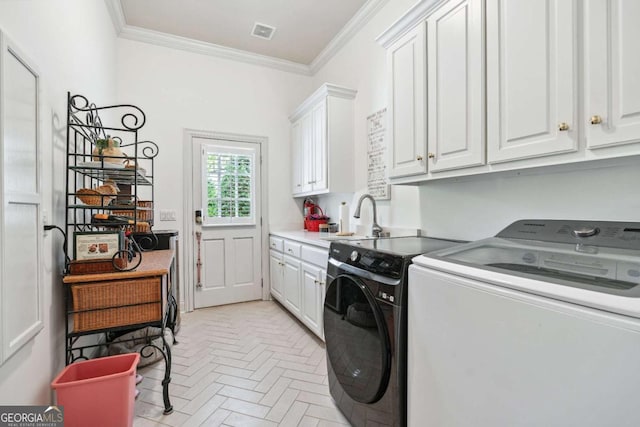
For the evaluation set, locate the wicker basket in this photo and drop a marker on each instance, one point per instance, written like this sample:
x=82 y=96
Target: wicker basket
x=140 y=227
x=100 y=196
x=111 y=304
x=96 y=266
x=144 y=211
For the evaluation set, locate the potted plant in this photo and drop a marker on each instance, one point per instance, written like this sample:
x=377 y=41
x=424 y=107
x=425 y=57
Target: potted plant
x=107 y=149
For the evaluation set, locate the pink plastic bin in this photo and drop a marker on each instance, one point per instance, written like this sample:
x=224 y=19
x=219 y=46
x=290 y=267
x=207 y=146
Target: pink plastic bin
x=98 y=392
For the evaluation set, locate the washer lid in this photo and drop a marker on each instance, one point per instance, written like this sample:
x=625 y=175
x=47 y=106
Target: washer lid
x=598 y=269
x=599 y=256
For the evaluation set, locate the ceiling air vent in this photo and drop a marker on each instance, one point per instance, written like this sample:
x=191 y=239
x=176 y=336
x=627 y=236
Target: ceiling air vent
x=263 y=31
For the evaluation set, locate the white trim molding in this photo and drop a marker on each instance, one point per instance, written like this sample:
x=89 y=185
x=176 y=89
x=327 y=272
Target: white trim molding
x=114 y=7
x=409 y=20
x=196 y=46
x=351 y=28
x=322 y=92
x=357 y=22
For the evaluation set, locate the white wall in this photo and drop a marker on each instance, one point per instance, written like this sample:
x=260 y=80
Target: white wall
x=481 y=207
x=477 y=207
x=361 y=65
x=182 y=90
x=72 y=43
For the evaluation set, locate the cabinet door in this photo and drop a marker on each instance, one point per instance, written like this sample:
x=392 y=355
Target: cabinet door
x=323 y=293
x=530 y=78
x=275 y=275
x=311 y=298
x=296 y=158
x=612 y=67
x=407 y=103
x=455 y=85
x=291 y=282
x=319 y=146
x=306 y=134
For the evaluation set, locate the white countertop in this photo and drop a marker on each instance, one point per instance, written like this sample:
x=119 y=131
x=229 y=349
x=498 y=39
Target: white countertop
x=324 y=239
x=308 y=237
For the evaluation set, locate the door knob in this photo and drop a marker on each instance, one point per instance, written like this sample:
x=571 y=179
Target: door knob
x=562 y=127
x=419 y=158
x=595 y=120
x=431 y=155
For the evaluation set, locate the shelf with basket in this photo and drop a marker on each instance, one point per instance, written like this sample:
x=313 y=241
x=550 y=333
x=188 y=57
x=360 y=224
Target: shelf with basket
x=110 y=195
x=110 y=169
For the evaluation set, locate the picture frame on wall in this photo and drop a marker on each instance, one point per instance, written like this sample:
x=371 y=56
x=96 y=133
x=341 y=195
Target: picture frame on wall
x=96 y=244
x=377 y=172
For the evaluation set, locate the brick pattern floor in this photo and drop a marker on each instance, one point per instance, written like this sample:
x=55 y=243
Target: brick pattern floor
x=249 y=364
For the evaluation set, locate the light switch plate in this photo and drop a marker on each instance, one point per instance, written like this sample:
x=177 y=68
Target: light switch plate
x=167 y=215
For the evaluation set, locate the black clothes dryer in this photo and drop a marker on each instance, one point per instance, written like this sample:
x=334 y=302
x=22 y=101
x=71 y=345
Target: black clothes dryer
x=365 y=326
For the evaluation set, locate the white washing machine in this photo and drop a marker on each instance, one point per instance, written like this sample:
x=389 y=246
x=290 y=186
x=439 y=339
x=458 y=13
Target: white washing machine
x=538 y=326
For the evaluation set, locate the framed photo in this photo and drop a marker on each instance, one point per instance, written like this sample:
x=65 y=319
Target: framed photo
x=96 y=244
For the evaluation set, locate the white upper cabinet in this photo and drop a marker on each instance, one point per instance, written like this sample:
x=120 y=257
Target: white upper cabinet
x=406 y=60
x=455 y=86
x=612 y=72
x=481 y=86
x=296 y=159
x=318 y=147
x=531 y=68
x=322 y=142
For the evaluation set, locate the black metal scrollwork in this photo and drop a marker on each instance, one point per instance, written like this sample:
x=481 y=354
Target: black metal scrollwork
x=132 y=118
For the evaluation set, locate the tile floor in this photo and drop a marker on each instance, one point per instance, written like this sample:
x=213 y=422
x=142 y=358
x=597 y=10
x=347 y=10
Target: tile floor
x=249 y=364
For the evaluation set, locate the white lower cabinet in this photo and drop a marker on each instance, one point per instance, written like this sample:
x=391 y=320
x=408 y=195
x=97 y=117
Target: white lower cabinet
x=313 y=283
x=291 y=281
x=276 y=269
x=298 y=281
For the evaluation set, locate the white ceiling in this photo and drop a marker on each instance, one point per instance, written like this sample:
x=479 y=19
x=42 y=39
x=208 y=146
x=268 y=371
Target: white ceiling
x=304 y=28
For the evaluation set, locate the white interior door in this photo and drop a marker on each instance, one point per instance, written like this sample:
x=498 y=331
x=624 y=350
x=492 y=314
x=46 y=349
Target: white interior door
x=226 y=190
x=21 y=309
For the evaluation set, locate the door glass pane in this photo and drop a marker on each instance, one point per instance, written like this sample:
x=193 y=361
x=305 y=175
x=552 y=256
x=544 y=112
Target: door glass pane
x=20 y=163
x=230 y=185
x=356 y=341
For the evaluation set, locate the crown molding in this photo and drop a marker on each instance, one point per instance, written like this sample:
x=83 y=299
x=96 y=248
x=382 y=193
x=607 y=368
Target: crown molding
x=114 y=7
x=190 y=45
x=409 y=20
x=327 y=89
x=355 y=24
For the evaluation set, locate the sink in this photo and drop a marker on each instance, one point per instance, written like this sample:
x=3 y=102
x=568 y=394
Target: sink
x=354 y=237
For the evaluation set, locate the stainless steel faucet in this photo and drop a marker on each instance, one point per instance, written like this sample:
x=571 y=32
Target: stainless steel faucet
x=375 y=228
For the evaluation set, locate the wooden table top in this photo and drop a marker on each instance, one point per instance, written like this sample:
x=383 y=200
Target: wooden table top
x=154 y=263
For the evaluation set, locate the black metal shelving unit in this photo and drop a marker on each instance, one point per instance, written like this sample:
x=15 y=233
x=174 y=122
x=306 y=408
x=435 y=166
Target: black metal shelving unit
x=85 y=169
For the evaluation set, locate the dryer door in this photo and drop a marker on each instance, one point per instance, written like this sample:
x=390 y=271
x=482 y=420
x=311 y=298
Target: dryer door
x=357 y=339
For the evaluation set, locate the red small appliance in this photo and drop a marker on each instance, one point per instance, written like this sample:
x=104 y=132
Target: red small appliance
x=308 y=208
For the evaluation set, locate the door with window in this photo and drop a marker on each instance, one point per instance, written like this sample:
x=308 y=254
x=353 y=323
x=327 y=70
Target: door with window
x=227 y=192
